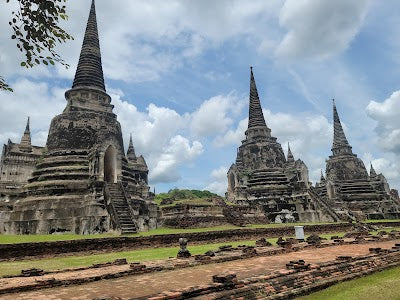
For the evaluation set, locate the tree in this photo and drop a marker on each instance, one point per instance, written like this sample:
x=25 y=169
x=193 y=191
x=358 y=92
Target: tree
x=36 y=31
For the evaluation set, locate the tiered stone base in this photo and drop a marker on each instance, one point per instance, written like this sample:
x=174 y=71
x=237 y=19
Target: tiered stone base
x=59 y=198
x=80 y=214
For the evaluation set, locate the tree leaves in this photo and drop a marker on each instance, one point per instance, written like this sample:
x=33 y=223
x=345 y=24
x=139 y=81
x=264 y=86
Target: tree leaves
x=36 y=30
x=4 y=86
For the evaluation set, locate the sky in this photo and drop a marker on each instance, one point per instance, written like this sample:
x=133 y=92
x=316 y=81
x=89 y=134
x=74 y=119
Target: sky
x=178 y=74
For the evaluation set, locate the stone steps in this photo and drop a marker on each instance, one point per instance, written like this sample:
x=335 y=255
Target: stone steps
x=121 y=209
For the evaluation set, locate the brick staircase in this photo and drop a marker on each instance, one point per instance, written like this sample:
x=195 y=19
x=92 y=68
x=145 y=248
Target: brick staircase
x=323 y=204
x=121 y=209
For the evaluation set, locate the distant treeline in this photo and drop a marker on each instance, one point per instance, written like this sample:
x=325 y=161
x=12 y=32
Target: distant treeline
x=185 y=194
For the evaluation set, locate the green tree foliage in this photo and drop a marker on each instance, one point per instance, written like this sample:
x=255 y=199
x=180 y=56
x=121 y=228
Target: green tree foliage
x=4 y=86
x=36 y=30
x=178 y=194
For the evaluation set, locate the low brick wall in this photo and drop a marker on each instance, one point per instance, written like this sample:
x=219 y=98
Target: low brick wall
x=23 y=250
x=288 y=283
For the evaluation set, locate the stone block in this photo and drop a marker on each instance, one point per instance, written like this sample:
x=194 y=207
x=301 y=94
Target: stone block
x=32 y=272
x=226 y=278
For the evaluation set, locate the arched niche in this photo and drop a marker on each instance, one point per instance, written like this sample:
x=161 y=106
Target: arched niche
x=110 y=165
x=231 y=182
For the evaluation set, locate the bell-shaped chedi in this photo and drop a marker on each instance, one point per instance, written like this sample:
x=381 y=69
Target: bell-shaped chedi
x=85 y=183
x=348 y=187
x=16 y=165
x=263 y=177
x=259 y=149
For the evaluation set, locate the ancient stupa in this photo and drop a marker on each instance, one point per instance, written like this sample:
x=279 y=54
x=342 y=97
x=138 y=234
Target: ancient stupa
x=17 y=164
x=262 y=176
x=83 y=182
x=348 y=188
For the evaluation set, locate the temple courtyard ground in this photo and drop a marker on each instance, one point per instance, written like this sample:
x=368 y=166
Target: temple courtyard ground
x=149 y=284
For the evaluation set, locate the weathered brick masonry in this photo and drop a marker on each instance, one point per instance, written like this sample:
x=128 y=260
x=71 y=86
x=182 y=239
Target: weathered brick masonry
x=288 y=283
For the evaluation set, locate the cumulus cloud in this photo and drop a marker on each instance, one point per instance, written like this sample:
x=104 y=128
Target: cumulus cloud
x=385 y=165
x=157 y=134
x=219 y=180
x=215 y=114
x=318 y=29
x=141 y=40
x=176 y=153
x=387 y=116
x=232 y=136
x=34 y=99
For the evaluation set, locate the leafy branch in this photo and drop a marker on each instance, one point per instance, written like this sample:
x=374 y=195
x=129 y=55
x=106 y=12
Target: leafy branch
x=36 y=31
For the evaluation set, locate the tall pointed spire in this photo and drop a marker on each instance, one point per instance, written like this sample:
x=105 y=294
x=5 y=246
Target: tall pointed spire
x=26 y=138
x=322 y=179
x=256 y=116
x=372 y=172
x=27 y=127
x=131 y=150
x=290 y=157
x=340 y=143
x=89 y=72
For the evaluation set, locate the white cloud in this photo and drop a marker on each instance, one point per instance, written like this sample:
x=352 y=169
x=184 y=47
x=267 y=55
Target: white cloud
x=215 y=114
x=34 y=99
x=219 y=182
x=141 y=40
x=384 y=165
x=176 y=153
x=387 y=115
x=319 y=29
x=232 y=136
x=157 y=134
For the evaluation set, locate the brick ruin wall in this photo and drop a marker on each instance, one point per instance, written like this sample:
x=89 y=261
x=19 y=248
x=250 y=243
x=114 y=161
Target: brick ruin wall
x=23 y=250
x=288 y=283
x=193 y=216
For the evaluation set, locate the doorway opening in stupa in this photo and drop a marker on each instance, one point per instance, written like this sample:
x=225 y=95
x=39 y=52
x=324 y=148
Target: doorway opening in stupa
x=110 y=165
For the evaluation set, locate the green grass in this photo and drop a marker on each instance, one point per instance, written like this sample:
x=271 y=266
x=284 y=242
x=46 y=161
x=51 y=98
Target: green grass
x=12 y=239
x=50 y=264
x=381 y=285
x=377 y=221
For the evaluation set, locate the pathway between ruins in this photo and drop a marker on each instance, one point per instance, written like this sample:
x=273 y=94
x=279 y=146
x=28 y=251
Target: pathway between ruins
x=147 y=284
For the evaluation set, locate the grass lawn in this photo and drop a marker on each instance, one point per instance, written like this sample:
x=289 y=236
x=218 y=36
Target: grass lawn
x=15 y=267
x=377 y=221
x=12 y=239
x=381 y=285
